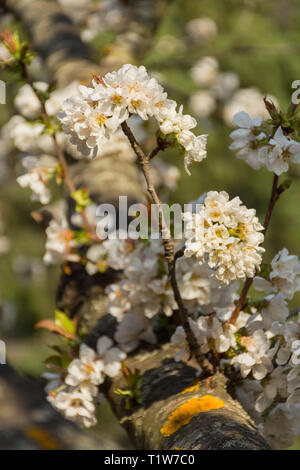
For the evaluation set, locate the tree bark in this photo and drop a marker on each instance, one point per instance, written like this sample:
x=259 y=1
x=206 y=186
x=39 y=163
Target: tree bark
x=225 y=427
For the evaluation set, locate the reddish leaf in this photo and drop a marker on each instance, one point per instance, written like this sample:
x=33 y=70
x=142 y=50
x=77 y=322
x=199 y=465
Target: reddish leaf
x=51 y=326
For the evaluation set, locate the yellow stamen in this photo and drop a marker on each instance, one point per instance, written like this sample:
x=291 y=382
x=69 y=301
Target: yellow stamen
x=101 y=119
x=89 y=369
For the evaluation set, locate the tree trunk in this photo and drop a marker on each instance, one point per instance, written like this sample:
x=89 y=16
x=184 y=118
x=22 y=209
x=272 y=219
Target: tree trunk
x=29 y=422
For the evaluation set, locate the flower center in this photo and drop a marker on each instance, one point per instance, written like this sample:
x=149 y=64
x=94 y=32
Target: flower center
x=89 y=369
x=136 y=103
x=102 y=266
x=101 y=119
x=76 y=403
x=116 y=99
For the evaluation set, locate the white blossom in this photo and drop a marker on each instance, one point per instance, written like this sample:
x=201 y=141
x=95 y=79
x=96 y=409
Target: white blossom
x=228 y=233
x=275 y=311
x=246 y=139
x=284 y=275
x=280 y=152
x=176 y=122
x=195 y=148
x=110 y=356
x=76 y=405
x=133 y=329
x=247 y=393
x=140 y=287
x=26 y=101
x=276 y=385
x=282 y=426
x=226 y=84
x=37 y=177
x=60 y=242
x=205 y=71
x=85 y=368
x=258 y=356
x=76 y=396
x=179 y=337
x=202 y=103
x=87 y=124
x=180 y=124
x=111 y=253
x=200 y=288
x=29 y=137
x=203 y=28
x=129 y=90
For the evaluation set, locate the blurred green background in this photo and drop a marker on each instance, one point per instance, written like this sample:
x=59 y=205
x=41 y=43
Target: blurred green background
x=257 y=40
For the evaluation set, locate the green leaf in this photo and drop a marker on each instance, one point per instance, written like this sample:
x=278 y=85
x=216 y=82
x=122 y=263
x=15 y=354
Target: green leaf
x=65 y=361
x=82 y=198
x=123 y=393
x=62 y=361
x=54 y=360
x=81 y=237
x=62 y=320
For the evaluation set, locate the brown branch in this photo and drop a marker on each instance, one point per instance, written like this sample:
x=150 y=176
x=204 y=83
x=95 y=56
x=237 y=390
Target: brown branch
x=273 y=199
x=168 y=243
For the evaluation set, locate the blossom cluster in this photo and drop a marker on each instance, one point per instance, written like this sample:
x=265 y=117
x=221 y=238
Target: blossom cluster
x=75 y=394
x=143 y=292
x=93 y=115
x=257 y=148
x=225 y=233
x=26 y=133
x=28 y=136
x=263 y=345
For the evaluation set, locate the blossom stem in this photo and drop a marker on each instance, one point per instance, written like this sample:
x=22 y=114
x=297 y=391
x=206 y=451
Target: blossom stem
x=275 y=194
x=170 y=256
x=161 y=146
x=154 y=152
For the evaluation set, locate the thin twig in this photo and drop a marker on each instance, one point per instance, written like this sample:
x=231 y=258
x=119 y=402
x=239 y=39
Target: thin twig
x=179 y=253
x=168 y=243
x=154 y=152
x=273 y=199
x=161 y=146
